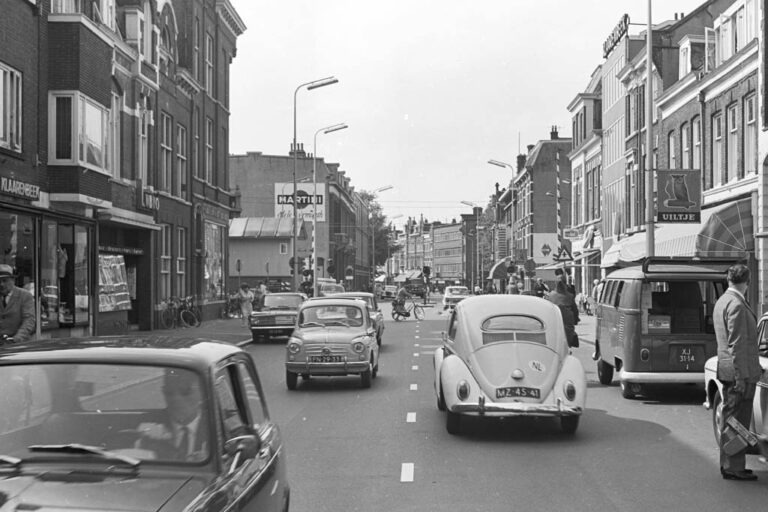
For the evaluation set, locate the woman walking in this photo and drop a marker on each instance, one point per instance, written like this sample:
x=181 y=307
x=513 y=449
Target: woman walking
x=245 y=295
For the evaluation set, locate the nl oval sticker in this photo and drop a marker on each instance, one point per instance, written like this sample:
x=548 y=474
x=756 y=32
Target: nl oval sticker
x=537 y=366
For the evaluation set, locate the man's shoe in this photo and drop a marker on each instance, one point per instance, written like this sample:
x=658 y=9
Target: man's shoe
x=738 y=475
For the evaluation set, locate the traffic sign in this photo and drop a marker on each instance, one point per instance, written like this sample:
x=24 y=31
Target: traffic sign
x=563 y=254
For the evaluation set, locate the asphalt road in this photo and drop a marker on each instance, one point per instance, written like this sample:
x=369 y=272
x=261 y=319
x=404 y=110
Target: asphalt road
x=387 y=449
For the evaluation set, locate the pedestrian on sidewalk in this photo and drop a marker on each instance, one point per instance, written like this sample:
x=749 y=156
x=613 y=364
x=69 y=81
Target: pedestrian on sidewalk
x=738 y=365
x=245 y=295
x=17 y=308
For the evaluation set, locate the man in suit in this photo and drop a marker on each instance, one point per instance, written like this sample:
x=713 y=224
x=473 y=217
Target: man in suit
x=180 y=431
x=17 y=308
x=738 y=364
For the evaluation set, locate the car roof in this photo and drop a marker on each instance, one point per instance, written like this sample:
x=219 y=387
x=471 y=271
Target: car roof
x=333 y=301
x=287 y=294
x=151 y=349
x=354 y=294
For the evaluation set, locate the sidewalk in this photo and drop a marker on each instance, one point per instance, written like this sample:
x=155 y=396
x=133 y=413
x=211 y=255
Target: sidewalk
x=586 y=329
x=230 y=330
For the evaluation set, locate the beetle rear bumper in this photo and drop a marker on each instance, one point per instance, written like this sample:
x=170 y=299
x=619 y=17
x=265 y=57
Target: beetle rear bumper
x=516 y=409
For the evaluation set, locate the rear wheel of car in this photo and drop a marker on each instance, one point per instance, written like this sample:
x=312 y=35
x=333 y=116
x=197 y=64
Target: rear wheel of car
x=717 y=416
x=453 y=423
x=630 y=390
x=375 y=368
x=418 y=312
x=569 y=424
x=604 y=372
x=304 y=376
x=440 y=397
x=291 y=380
x=366 y=377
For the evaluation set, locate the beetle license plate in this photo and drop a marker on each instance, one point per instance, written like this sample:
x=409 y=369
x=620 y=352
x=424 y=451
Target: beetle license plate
x=326 y=359
x=518 y=392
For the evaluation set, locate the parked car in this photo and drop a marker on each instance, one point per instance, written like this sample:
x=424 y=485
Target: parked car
x=325 y=289
x=453 y=295
x=332 y=337
x=416 y=287
x=373 y=310
x=276 y=316
x=714 y=392
x=96 y=424
x=507 y=356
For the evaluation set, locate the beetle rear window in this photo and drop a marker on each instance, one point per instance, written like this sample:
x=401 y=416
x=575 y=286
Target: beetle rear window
x=513 y=328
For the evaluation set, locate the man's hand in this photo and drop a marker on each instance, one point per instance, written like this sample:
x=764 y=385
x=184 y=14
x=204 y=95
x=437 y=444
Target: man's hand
x=739 y=385
x=155 y=431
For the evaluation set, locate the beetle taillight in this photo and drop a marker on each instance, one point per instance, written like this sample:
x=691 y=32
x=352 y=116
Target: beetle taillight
x=462 y=390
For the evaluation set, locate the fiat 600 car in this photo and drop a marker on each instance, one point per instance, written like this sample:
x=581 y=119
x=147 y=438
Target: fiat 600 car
x=276 y=316
x=714 y=393
x=507 y=356
x=136 y=423
x=332 y=337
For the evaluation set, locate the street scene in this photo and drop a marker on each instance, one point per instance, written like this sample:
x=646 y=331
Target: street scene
x=430 y=255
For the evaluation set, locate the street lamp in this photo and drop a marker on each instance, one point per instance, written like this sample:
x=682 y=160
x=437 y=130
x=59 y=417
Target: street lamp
x=499 y=163
x=373 y=234
x=313 y=262
x=309 y=85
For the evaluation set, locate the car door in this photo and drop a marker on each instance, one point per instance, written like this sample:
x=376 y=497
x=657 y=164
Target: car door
x=760 y=403
x=246 y=483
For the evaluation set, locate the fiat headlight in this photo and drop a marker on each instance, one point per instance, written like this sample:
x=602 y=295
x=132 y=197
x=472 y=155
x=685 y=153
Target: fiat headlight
x=358 y=346
x=294 y=345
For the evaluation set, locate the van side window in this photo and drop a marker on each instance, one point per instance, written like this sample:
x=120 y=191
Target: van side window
x=617 y=296
x=607 y=292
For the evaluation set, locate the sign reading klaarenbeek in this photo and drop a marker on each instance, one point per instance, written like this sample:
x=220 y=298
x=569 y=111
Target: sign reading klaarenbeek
x=679 y=196
x=305 y=204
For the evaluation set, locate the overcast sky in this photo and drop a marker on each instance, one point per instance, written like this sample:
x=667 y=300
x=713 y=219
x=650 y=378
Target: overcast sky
x=431 y=89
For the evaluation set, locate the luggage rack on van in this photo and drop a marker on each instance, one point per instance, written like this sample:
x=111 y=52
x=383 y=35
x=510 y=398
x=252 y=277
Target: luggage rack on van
x=687 y=265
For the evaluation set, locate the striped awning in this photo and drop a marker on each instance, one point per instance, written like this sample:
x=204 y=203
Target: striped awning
x=261 y=227
x=725 y=232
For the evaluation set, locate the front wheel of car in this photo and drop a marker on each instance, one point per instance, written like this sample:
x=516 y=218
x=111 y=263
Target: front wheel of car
x=453 y=423
x=717 y=416
x=291 y=380
x=366 y=377
x=569 y=424
x=604 y=372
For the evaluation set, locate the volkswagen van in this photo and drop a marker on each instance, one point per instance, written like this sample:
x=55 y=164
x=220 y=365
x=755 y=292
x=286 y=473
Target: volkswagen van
x=654 y=322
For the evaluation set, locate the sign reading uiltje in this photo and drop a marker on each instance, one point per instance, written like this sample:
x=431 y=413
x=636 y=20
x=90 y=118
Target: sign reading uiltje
x=306 y=200
x=19 y=188
x=679 y=195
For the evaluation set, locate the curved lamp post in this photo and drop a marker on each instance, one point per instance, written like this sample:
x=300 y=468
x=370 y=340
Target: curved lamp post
x=309 y=85
x=373 y=233
x=313 y=262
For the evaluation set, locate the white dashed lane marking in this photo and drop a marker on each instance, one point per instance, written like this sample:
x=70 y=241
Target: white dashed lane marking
x=416 y=354
x=406 y=472
x=414 y=387
x=415 y=367
x=410 y=417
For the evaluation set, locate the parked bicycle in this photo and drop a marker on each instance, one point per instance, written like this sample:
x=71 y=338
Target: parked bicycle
x=232 y=308
x=169 y=313
x=189 y=312
x=409 y=307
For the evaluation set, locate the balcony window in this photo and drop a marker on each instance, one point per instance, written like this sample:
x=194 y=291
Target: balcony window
x=89 y=123
x=10 y=108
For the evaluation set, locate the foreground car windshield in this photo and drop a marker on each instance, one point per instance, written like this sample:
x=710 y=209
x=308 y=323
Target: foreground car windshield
x=134 y=411
x=282 y=301
x=351 y=316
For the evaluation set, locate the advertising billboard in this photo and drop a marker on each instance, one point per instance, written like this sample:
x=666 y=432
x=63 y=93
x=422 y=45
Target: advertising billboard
x=306 y=200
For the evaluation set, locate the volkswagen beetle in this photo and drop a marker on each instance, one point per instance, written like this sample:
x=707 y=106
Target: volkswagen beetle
x=333 y=336
x=714 y=393
x=139 y=423
x=507 y=356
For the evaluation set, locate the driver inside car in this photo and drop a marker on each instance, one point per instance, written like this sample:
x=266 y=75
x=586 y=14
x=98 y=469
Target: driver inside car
x=178 y=432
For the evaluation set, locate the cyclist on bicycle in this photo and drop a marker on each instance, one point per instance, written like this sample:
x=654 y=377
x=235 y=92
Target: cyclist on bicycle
x=399 y=302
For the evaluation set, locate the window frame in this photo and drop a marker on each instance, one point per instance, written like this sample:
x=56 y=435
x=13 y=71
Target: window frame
x=11 y=108
x=165 y=260
x=182 y=180
x=750 y=134
x=166 y=152
x=685 y=146
x=671 y=160
x=718 y=171
x=732 y=170
x=209 y=68
x=209 y=134
x=78 y=131
x=181 y=260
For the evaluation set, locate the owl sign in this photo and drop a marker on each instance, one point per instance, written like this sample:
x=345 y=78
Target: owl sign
x=679 y=196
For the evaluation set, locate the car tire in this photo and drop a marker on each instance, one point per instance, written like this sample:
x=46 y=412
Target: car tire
x=604 y=372
x=440 y=397
x=291 y=380
x=304 y=376
x=453 y=423
x=569 y=424
x=366 y=377
x=255 y=337
x=717 y=416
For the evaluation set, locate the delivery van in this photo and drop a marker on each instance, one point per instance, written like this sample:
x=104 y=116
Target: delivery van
x=654 y=322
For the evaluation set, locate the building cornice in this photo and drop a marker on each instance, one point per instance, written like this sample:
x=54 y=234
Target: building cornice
x=229 y=17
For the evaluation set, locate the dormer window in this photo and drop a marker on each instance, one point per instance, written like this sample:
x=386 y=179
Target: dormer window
x=732 y=31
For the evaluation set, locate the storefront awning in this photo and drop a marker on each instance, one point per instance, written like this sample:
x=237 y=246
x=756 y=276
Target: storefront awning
x=261 y=227
x=725 y=232
x=499 y=269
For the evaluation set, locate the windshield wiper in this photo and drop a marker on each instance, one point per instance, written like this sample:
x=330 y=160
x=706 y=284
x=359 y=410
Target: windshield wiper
x=11 y=461
x=84 y=449
x=311 y=324
x=337 y=322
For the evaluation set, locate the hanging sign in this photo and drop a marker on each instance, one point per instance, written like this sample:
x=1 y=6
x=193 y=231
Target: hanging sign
x=679 y=196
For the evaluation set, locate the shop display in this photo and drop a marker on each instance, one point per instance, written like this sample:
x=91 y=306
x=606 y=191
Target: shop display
x=113 y=283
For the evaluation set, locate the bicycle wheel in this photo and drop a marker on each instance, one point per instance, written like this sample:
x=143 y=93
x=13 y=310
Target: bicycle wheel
x=188 y=318
x=168 y=317
x=418 y=312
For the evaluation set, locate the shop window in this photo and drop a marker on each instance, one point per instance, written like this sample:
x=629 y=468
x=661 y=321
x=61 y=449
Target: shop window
x=73 y=274
x=17 y=241
x=214 y=259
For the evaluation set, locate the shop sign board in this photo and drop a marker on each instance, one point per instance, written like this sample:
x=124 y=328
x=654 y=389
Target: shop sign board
x=306 y=200
x=619 y=31
x=18 y=188
x=679 y=196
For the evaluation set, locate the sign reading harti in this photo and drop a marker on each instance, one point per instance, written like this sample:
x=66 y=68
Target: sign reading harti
x=306 y=200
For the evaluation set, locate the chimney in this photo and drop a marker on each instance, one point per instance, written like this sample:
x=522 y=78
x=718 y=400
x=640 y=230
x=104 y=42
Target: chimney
x=298 y=149
x=675 y=16
x=521 y=161
x=530 y=148
x=553 y=133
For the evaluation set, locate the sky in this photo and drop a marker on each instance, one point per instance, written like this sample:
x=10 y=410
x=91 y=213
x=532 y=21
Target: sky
x=431 y=89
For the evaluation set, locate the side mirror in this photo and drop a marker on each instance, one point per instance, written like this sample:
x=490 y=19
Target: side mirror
x=242 y=448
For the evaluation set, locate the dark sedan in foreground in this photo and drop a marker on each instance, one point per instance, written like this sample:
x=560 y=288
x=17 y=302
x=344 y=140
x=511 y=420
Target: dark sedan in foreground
x=136 y=423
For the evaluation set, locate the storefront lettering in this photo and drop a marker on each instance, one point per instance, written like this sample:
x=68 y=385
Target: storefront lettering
x=619 y=31
x=149 y=199
x=679 y=217
x=121 y=250
x=19 y=188
x=212 y=211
